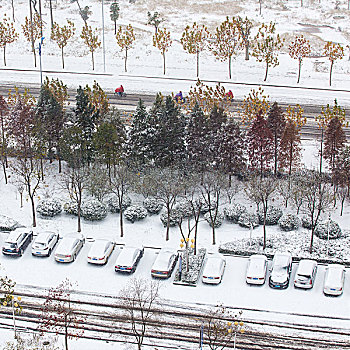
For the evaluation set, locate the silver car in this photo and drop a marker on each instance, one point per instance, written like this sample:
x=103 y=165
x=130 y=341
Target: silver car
x=44 y=243
x=256 y=270
x=164 y=264
x=334 y=279
x=280 y=270
x=306 y=274
x=100 y=251
x=69 y=247
x=128 y=259
x=213 y=270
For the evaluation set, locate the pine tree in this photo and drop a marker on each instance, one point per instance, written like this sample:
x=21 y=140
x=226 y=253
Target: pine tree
x=98 y=98
x=245 y=26
x=114 y=13
x=84 y=12
x=334 y=52
x=266 y=46
x=154 y=20
x=32 y=31
x=4 y=110
x=86 y=118
x=140 y=136
x=125 y=40
x=230 y=149
x=194 y=40
x=7 y=34
x=90 y=38
x=162 y=41
x=260 y=145
x=58 y=89
x=61 y=35
x=276 y=123
x=335 y=140
x=225 y=41
x=299 y=49
x=341 y=171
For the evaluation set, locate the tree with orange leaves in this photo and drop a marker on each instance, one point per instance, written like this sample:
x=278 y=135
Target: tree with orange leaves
x=162 y=41
x=253 y=104
x=333 y=51
x=299 y=49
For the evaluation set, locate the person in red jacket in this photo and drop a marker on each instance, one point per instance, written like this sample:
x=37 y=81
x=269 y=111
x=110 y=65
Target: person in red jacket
x=119 y=91
x=229 y=95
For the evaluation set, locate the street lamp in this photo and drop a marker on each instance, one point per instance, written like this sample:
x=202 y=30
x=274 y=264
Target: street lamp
x=41 y=70
x=235 y=327
x=103 y=39
x=329 y=221
x=185 y=243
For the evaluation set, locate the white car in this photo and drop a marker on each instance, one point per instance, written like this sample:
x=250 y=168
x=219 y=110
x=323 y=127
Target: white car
x=44 y=243
x=305 y=275
x=17 y=241
x=164 y=264
x=213 y=270
x=100 y=251
x=128 y=259
x=69 y=247
x=280 y=270
x=256 y=270
x=334 y=279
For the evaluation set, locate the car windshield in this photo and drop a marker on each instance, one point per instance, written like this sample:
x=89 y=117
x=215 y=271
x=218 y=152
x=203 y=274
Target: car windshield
x=40 y=243
x=303 y=275
x=11 y=245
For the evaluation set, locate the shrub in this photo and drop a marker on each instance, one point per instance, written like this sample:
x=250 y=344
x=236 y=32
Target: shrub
x=205 y=207
x=234 y=211
x=273 y=214
x=135 y=213
x=49 y=207
x=185 y=208
x=325 y=228
x=289 y=222
x=93 y=210
x=175 y=217
x=8 y=224
x=153 y=205
x=218 y=220
x=306 y=222
x=113 y=203
x=71 y=208
x=247 y=219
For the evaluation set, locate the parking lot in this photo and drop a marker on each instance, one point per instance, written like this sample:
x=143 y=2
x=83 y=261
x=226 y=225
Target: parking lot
x=233 y=291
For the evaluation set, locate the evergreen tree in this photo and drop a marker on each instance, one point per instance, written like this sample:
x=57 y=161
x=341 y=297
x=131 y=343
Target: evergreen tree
x=86 y=118
x=276 y=123
x=114 y=12
x=260 y=145
x=197 y=139
x=335 y=140
x=49 y=120
x=341 y=171
x=154 y=20
x=230 y=149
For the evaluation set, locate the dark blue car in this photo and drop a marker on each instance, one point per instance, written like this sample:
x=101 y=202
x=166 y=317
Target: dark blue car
x=17 y=242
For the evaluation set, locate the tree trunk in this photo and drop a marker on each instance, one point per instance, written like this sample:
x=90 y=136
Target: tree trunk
x=13 y=11
x=301 y=3
x=167 y=224
x=163 y=63
x=330 y=74
x=4 y=55
x=276 y=154
x=115 y=27
x=121 y=220
x=247 y=50
x=93 y=62
x=342 y=206
x=260 y=1
x=51 y=14
x=299 y=70
x=312 y=238
x=31 y=31
x=126 y=58
x=79 y=218
x=41 y=19
x=33 y=210
x=267 y=69
x=4 y=170
x=197 y=63
x=21 y=195
x=65 y=334
x=265 y=211
x=321 y=151
x=62 y=57
x=229 y=67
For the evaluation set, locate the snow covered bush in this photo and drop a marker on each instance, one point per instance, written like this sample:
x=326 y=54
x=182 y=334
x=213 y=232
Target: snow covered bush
x=135 y=213
x=205 y=207
x=234 y=211
x=289 y=222
x=273 y=214
x=8 y=224
x=153 y=205
x=218 y=220
x=306 y=222
x=185 y=208
x=113 y=203
x=175 y=217
x=93 y=210
x=327 y=229
x=49 y=207
x=246 y=219
x=71 y=208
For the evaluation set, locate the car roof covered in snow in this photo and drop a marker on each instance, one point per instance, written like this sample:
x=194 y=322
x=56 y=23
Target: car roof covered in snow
x=43 y=236
x=281 y=258
x=66 y=244
x=126 y=256
x=13 y=236
x=212 y=266
x=162 y=260
x=257 y=264
x=98 y=247
x=306 y=267
x=334 y=275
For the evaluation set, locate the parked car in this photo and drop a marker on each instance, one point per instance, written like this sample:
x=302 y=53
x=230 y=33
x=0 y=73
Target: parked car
x=256 y=270
x=17 y=241
x=213 y=270
x=128 y=259
x=306 y=274
x=100 y=251
x=44 y=243
x=164 y=264
x=334 y=279
x=69 y=247
x=280 y=270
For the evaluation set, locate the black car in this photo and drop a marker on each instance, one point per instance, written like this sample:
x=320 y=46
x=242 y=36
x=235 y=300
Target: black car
x=17 y=242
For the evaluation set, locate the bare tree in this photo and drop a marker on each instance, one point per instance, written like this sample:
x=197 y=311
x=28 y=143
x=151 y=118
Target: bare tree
x=29 y=174
x=260 y=190
x=213 y=183
x=342 y=193
x=284 y=190
x=140 y=299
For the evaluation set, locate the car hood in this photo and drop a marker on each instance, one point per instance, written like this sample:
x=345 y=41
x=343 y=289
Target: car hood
x=279 y=275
